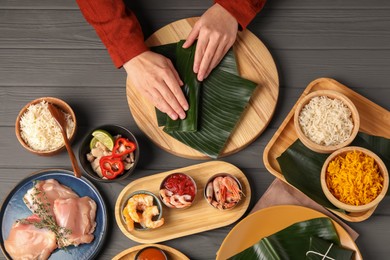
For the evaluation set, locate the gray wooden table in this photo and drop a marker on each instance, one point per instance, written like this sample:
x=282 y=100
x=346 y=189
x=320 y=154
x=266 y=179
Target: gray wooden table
x=48 y=49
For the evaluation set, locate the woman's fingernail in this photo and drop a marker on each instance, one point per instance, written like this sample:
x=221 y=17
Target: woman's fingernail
x=173 y=116
x=185 y=107
x=182 y=115
x=185 y=45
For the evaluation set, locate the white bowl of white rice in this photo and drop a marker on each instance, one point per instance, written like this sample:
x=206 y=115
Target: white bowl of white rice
x=326 y=120
x=37 y=130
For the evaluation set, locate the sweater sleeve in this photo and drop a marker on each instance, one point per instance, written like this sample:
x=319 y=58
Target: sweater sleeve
x=117 y=27
x=243 y=10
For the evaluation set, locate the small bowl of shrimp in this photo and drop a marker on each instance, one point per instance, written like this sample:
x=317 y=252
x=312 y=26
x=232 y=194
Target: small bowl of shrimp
x=142 y=211
x=223 y=191
x=178 y=191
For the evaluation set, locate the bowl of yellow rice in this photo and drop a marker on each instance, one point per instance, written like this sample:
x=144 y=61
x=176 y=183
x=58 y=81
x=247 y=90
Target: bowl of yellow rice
x=354 y=179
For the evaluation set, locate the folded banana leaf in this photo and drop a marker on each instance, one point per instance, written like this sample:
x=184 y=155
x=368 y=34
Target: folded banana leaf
x=321 y=249
x=301 y=167
x=184 y=64
x=169 y=51
x=292 y=242
x=224 y=97
x=227 y=64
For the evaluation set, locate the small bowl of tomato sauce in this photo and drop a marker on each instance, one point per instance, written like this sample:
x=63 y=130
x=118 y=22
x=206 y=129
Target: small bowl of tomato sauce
x=151 y=252
x=178 y=190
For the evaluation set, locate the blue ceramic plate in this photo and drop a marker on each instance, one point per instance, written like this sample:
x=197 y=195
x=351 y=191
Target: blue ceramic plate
x=13 y=208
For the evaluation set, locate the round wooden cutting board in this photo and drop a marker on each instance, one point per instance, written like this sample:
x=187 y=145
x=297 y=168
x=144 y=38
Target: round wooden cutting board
x=254 y=63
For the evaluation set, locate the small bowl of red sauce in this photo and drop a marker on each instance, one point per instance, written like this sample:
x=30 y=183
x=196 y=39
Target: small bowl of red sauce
x=178 y=191
x=151 y=252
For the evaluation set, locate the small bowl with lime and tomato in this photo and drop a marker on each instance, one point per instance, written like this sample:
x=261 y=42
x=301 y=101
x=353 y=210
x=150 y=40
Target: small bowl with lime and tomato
x=109 y=153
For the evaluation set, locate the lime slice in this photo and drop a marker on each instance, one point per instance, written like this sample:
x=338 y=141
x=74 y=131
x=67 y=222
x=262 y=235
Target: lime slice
x=93 y=142
x=104 y=137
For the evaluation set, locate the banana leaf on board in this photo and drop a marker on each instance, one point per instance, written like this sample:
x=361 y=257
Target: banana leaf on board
x=301 y=167
x=222 y=99
x=294 y=242
x=227 y=64
x=191 y=89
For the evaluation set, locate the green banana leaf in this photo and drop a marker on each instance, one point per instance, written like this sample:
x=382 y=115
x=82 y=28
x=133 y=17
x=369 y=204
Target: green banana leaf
x=301 y=167
x=224 y=97
x=292 y=242
x=228 y=64
x=223 y=100
x=319 y=248
x=169 y=51
x=191 y=89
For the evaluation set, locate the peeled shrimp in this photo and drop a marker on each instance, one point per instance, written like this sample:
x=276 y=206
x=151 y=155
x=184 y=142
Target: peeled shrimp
x=180 y=201
x=166 y=196
x=140 y=209
x=185 y=199
x=129 y=221
x=147 y=216
x=138 y=202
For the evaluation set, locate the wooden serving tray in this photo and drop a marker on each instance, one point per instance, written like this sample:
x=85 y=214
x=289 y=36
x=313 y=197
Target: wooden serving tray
x=182 y=222
x=130 y=253
x=254 y=63
x=370 y=114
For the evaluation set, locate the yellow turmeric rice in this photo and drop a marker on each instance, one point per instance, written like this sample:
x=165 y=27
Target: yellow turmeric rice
x=354 y=178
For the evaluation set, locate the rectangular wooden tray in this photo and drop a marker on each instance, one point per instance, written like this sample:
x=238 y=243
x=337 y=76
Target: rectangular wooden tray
x=374 y=120
x=199 y=217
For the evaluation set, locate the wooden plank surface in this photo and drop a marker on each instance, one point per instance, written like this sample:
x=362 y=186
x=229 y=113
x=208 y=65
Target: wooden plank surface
x=47 y=48
x=64 y=29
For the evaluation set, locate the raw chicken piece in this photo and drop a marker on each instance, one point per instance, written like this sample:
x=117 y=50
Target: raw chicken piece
x=77 y=215
x=49 y=190
x=25 y=241
x=100 y=150
x=95 y=164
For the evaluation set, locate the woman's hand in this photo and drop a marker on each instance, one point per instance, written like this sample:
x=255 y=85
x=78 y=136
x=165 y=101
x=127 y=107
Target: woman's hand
x=155 y=78
x=216 y=32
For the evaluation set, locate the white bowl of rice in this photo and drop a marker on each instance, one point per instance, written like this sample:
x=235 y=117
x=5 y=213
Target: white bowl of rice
x=326 y=120
x=37 y=130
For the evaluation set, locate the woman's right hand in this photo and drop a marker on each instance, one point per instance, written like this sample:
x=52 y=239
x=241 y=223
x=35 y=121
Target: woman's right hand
x=156 y=79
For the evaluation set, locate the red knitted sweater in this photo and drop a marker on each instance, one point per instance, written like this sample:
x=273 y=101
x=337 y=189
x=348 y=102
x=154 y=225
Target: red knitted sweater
x=119 y=30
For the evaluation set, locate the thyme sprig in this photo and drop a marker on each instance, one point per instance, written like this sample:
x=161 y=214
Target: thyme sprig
x=41 y=207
